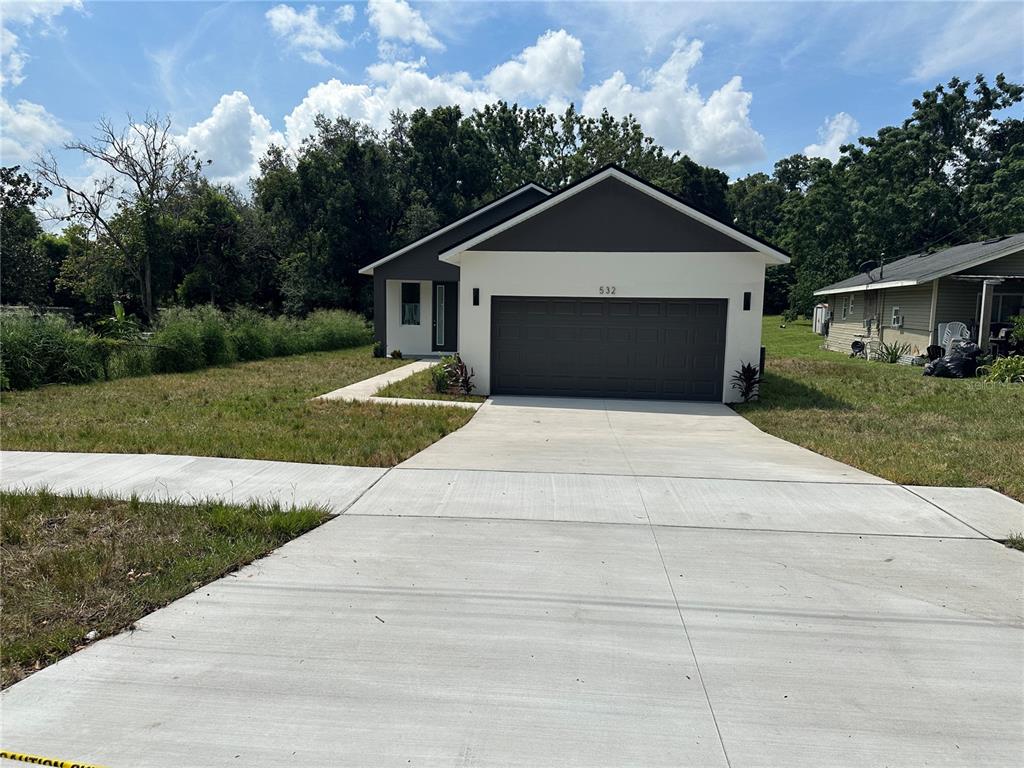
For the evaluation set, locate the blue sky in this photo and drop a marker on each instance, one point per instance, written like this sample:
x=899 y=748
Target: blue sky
x=735 y=85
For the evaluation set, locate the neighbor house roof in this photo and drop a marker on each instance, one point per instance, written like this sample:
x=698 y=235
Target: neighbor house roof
x=774 y=255
x=922 y=268
x=368 y=269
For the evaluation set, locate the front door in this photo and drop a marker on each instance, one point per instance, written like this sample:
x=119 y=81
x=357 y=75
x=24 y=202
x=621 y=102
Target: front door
x=446 y=317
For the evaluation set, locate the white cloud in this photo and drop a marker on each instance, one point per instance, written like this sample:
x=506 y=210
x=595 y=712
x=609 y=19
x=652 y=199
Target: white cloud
x=31 y=11
x=234 y=137
x=346 y=14
x=39 y=13
x=28 y=130
x=12 y=59
x=716 y=131
x=396 y=85
x=397 y=20
x=837 y=130
x=976 y=35
x=551 y=67
x=306 y=34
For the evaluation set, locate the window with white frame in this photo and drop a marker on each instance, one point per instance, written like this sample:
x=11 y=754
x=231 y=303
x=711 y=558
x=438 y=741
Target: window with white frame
x=896 y=320
x=846 y=307
x=410 y=303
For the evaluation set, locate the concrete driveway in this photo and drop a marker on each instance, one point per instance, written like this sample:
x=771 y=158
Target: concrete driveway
x=504 y=598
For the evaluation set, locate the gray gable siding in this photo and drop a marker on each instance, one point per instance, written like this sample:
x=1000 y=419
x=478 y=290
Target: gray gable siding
x=1012 y=265
x=612 y=216
x=421 y=263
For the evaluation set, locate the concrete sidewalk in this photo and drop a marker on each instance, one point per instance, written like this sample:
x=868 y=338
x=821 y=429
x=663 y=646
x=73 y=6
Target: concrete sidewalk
x=162 y=477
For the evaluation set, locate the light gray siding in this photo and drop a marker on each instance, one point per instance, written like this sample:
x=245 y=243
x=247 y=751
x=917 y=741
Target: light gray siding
x=1012 y=265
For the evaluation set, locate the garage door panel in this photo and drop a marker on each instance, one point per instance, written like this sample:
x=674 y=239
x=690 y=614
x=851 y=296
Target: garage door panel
x=638 y=348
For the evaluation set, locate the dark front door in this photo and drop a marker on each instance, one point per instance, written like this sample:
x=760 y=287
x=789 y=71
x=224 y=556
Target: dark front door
x=670 y=349
x=446 y=317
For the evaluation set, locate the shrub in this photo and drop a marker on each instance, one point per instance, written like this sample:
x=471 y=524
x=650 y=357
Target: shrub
x=891 y=353
x=178 y=346
x=396 y=354
x=43 y=350
x=790 y=315
x=458 y=378
x=1017 y=334
x=334 y=329
x=250 y=334
x=747 y=380
x=439 y=376
x=1008 y=370
x=187 y=339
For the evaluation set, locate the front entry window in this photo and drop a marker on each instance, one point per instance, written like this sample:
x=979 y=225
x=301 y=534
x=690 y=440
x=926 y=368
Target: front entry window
x=439 y=314
x=410 y=303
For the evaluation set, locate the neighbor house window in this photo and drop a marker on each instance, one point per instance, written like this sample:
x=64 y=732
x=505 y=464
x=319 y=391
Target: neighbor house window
x=894 y=320
x=410 y=303
x=846 y=307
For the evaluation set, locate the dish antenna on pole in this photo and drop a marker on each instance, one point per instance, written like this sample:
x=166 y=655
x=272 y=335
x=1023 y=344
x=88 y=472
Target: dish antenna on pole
x=870 y=266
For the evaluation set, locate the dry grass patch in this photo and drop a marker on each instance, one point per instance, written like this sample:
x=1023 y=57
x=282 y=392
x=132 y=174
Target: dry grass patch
x=76 y=565
x=259 y=410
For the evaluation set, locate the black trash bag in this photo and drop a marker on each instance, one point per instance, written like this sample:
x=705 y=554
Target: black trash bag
x=961 y=363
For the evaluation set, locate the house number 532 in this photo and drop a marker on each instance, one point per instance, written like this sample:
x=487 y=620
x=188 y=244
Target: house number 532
x=606 y=290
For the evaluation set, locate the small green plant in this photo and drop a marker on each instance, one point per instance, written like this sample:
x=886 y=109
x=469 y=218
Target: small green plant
x=1017 y=334
x=747 y=380
x=439 y=376
x=891 y=353
x=120 y=325
x=1007 y=370
x=1015 y=541
x=396 y=354
x=380 y=349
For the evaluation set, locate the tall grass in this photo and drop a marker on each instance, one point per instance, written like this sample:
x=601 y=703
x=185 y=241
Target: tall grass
x=45 y=350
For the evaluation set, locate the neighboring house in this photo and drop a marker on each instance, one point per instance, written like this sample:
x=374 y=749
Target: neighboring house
x=910 y=300
x=607 y=288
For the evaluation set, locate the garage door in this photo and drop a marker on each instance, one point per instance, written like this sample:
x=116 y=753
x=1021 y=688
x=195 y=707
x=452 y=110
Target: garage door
x=671 y=349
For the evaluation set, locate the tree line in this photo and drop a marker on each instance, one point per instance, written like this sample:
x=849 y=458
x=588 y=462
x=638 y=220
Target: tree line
x=150 y=230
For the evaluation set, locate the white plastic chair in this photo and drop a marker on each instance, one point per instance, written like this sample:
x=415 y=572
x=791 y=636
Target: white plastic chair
x=953 y=335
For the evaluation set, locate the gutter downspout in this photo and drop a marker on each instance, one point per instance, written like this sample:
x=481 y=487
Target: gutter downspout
x=933 y=314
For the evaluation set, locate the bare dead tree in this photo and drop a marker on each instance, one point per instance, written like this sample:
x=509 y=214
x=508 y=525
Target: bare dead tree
x=139 y=169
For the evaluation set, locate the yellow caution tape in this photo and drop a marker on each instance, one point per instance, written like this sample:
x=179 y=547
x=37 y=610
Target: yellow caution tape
x=37 y=760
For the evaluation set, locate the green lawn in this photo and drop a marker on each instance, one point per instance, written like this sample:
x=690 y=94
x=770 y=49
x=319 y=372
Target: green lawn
x=889 y=419
x=259 y=410
x=76 y=565
x=421 y=386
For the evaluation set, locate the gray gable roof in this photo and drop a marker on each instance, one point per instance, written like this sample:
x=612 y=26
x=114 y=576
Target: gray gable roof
x=924 y=267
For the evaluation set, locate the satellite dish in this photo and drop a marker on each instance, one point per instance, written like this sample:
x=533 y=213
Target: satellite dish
x=868 y=266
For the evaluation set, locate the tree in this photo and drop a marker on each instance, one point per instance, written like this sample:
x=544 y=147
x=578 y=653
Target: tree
x=144 y=169
x=28 y=272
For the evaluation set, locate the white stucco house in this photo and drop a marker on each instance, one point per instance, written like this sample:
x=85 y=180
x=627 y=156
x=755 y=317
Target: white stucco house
x=610 y=287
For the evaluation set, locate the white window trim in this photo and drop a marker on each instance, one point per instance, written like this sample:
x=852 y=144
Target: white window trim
x=895 y=318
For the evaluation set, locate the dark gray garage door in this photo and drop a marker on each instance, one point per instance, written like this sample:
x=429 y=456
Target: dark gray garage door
x=671 y=349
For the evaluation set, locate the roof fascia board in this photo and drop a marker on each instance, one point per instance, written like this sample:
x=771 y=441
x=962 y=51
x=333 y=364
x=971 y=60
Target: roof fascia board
x=871 y=286
x=368 y=269
x=452 y=254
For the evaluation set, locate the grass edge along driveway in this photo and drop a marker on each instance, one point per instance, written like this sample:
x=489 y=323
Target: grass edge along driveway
x=78 y=564
x=889 y=419
x=257 y=410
